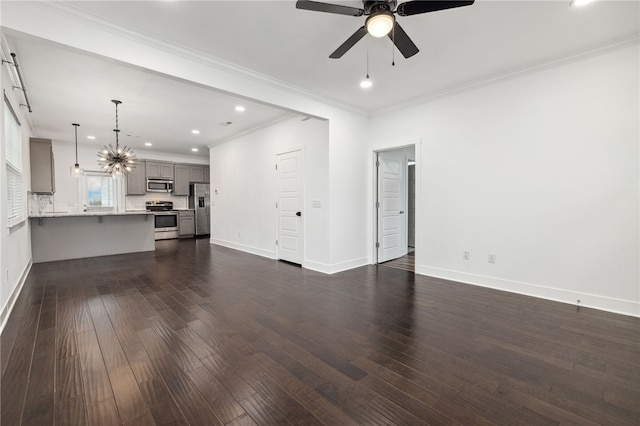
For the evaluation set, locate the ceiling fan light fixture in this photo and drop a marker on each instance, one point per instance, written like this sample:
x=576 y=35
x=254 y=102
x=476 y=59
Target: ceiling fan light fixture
x=379 y=24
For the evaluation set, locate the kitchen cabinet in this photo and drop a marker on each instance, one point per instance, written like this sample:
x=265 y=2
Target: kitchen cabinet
x=184 y=174
x=137 y=180
x=181 y=180
x=196 y=174
x=156 y=169
x=43 y=180
x=187 y=223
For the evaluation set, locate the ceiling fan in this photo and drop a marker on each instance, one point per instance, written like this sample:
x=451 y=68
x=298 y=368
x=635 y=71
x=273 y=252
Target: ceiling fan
x=380 y=21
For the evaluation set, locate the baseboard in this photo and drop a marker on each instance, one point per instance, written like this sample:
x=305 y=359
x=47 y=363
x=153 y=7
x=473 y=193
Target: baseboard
x=325 y=268
x=317 y=266
x=334 y=268
x=609 y=304
x=242 y=247
x=8 y=308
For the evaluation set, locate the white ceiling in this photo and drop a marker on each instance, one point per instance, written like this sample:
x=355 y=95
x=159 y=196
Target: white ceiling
x=458 y=47
x=65 y=86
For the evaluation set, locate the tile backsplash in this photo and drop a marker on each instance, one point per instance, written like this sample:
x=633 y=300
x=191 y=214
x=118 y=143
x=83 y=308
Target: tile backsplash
x=39 y=203
x=137 y=202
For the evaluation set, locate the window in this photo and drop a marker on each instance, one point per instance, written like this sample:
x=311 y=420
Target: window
x=13 y=158
x=99 y=193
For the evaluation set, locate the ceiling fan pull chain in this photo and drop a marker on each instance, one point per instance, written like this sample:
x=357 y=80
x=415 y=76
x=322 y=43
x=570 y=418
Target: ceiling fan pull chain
x=393 y=46
x=367 y=58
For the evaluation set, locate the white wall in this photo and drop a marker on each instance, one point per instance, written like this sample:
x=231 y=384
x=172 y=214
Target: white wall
x=348 y=162
x=541 y=170
x=15 y=242
x=243 y=213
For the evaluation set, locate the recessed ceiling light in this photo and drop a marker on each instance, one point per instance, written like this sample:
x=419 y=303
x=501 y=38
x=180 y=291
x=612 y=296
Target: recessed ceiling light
x=194 y=149
x=240 y=108
x=148 y=144
x=195 y=131
x=91 y=137
x=365 y=84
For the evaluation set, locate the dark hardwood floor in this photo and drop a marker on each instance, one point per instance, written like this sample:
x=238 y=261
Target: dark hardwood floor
x=406 y=262
x=203 y=335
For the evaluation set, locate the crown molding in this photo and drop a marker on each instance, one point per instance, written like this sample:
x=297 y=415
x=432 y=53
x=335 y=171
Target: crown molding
x=512 y=74
x=93 y=20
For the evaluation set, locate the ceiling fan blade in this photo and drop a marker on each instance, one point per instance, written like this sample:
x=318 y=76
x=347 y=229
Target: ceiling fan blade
x=402 y=41
x=351 y=41
x=329 y=8
x=416 y=7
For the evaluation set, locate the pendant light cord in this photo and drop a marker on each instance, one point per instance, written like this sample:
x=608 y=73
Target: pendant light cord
x=117 y=130
x=76 y=125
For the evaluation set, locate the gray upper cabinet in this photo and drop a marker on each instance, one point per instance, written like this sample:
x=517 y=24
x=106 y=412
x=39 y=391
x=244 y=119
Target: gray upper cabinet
x=43 y=179
x=181 y=180
x=187 y=173
x=182 y=175
x=159 y=170
x=136 y=180
x=196 y=174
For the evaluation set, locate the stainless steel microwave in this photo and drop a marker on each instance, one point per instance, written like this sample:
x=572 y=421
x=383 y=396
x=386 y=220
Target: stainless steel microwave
x=159 y=185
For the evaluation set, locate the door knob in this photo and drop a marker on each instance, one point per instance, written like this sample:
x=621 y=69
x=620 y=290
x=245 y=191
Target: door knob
x=298 y=214
x=401 y=211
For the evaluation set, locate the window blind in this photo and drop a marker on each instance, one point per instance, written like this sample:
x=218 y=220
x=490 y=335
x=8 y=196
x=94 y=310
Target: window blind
x=99 y=191
x=13 y=158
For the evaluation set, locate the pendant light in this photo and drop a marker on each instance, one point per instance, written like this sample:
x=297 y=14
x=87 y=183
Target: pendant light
x=76 y=171
x=118 y=161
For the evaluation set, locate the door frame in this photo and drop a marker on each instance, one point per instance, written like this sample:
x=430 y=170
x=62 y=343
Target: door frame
x=391 y=146
x=402 y=157
x=303 y=176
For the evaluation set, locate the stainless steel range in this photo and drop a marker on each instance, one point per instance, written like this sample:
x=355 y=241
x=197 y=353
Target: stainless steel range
x=165 y=219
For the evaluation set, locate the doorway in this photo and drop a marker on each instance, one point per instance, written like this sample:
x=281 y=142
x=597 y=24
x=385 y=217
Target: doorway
x=395 y=208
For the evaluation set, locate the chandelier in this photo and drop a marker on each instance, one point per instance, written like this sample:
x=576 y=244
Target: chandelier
x=118 y=161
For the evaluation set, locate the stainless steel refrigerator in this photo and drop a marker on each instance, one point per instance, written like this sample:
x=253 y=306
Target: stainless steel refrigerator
x=200 y=201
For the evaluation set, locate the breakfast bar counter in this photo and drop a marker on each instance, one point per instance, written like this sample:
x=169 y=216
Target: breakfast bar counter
x=62 y=236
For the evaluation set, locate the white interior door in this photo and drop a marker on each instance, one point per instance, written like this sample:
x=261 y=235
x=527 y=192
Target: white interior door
x=290 y=245
x=391 y=205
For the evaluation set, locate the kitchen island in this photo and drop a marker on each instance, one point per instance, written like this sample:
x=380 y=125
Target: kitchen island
x=62 y=236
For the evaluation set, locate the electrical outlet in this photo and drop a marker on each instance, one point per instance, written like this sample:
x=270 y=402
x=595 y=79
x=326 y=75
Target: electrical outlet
x=466 y=255
x=492 y=258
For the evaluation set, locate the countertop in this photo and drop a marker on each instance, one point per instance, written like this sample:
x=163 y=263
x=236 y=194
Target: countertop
x=172 y=210
x=88 y=214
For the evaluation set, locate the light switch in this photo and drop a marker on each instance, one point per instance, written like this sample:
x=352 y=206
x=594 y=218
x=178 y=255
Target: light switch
x=316 y=204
